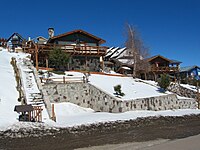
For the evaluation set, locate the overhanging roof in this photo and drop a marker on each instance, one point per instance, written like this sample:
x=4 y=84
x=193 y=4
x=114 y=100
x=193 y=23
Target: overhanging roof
x=101 y=41
x=188 y=68
x=150 y=59
x=171 y=61
x=23 y=108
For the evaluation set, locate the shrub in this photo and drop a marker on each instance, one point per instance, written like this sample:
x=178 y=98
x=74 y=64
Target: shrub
x=59 y=72
x=118 y=90
x=164 y=81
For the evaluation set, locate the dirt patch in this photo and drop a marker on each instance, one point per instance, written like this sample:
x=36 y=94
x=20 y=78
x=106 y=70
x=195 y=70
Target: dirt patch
x=139 y=130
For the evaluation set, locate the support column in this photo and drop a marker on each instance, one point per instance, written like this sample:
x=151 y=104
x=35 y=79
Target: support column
x=36 y=57
x=47 y=63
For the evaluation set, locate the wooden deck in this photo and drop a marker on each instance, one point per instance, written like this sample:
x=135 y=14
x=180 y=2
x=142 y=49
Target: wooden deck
x=71 y=49
x=164 y=69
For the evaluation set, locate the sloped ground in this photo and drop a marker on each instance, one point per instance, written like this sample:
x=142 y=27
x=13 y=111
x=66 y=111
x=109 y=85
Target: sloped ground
x=143 y=129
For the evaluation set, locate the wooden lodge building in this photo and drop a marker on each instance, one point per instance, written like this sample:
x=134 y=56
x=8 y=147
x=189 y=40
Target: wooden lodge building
x=119 y=60
x=84 y=50
x=160 y=65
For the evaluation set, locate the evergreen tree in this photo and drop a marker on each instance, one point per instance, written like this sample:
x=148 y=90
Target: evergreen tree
x=58 y=59
x=164 y=81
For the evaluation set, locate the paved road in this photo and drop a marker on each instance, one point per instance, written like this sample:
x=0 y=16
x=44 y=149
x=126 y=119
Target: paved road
x=190 y=143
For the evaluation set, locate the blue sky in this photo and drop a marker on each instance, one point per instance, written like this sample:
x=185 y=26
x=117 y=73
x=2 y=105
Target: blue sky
x=168 y=27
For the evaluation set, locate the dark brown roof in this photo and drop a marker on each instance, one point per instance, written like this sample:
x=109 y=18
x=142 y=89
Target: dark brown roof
x=101 y=41
x=150 y=59
x=23 y=108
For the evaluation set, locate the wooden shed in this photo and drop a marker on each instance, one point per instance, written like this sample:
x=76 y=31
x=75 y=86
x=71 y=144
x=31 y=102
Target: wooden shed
x=29 y=113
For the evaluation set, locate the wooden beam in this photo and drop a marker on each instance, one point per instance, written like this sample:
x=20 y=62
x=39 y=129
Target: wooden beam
x=36 y=57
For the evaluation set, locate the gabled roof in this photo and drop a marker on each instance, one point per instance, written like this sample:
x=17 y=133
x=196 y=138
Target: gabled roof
x=175 y=61
x=41 y=37
x=118 y=52
x=171 y=61
x=151 y=58
x=188 y=68
x=17 y=35
x=111 y=50
x=101 y=41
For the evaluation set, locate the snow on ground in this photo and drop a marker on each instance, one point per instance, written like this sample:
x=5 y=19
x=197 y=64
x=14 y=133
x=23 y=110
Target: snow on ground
x=132 y=88
x=8 y=91
x=29 y=84
x=68 y=114
x=190 y=87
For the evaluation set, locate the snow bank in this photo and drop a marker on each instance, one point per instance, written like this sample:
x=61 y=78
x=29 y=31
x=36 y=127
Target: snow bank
x=8 y=91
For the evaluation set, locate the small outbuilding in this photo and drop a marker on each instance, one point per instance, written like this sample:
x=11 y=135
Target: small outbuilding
x=29 y=113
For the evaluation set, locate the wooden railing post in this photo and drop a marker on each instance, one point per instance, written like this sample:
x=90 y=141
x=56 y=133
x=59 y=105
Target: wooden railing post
x=198 y=98
x=36 y=57
x=53 y=113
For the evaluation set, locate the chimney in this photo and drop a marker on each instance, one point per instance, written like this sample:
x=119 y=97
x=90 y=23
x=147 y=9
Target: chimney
x=51 y=32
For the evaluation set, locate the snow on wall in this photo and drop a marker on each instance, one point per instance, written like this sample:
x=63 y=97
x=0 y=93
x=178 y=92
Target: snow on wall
x=87 y=95
x=183 y=91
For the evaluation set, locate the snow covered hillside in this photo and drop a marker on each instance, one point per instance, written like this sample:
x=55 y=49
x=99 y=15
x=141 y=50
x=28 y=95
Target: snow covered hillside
x=132 y=88
x=68 y=114
x=8 y=92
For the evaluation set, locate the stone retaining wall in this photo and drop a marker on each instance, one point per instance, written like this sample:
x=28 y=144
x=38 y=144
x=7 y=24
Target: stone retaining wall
x=87 y=95
x=182 y=91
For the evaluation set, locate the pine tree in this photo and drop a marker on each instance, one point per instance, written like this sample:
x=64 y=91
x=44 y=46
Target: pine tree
x=164 y=81
x=58 y=59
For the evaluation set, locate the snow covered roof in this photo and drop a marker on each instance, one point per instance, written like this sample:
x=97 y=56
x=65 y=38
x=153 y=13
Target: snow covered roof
x=126 y=61
x=187 y=68
x=126 y=68
x=115 y=52
x=110 y=51
x=118 y=52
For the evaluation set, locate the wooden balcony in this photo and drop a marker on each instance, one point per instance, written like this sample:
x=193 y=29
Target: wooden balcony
x=164 y=69
x=72 y=49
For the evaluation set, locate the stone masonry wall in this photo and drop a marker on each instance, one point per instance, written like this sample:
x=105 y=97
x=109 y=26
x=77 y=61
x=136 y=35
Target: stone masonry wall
x=87 y=95
x=182 y=91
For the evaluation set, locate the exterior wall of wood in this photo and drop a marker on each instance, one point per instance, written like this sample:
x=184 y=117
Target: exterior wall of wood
x=161 y=62
x=74 y=37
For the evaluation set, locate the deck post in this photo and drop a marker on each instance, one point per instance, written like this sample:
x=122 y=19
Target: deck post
x=47 y=63
x=36 y=57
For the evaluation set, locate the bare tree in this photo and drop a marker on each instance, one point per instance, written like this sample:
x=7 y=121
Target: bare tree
x=137 y=51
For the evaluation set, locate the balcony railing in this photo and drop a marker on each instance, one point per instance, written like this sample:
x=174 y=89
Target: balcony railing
x=164 y=69
x=73 y=49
